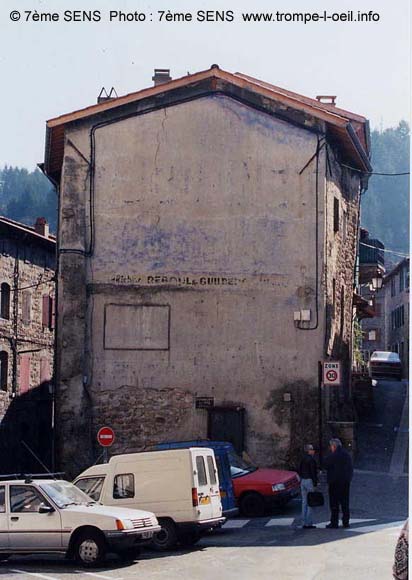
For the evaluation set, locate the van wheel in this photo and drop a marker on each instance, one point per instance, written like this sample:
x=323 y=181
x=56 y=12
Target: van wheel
x=4 y=557
x=167 y=537
x=89 y=549
x=187 y=539
x=252 y=505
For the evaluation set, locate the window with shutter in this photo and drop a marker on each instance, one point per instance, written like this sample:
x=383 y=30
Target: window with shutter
x=26 y=306
x=5 y=301
x=335 y=214
x=4 y=370
x=24 y=372
x=45 y=374
x=45 y=311
x=52 y=313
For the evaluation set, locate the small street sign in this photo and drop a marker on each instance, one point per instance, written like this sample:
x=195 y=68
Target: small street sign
x=332 y=373
x=205 y=402
x=105 y=436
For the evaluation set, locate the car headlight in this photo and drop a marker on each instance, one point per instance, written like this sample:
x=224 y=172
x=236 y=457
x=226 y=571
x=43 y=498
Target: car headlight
x=124 y=525
x=278 y=487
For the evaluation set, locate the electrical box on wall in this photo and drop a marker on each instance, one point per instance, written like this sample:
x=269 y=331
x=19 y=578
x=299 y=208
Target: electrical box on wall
x=296 y=315
x=305 y=315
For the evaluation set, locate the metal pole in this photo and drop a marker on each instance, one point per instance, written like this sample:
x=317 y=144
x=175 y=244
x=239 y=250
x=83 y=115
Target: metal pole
x=320 y=411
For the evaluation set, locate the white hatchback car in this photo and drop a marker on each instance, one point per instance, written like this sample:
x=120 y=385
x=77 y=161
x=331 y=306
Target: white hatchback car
x=47 y=515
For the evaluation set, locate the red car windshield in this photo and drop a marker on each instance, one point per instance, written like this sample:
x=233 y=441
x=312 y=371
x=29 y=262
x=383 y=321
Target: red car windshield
x=239 y=466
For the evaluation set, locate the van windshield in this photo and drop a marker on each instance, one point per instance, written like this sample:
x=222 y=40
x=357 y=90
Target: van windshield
x=239 y=466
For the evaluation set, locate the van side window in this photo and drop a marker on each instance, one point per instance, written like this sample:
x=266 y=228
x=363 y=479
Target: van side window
x=92 y=486
x=201 y=470
x=123 y=486
x=2 y=499
x=211 y=468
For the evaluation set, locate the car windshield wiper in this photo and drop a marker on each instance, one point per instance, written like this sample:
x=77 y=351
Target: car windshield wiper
x=70 y=503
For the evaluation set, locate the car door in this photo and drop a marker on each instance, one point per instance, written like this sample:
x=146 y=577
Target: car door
x=214 y=489
x=29 y=529
x=4 y=528
x=203 y=487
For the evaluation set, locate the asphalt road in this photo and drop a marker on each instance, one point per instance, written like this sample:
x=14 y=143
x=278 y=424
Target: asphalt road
x=275 y=547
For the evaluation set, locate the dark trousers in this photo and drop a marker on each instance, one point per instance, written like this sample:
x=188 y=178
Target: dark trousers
x=339 y=496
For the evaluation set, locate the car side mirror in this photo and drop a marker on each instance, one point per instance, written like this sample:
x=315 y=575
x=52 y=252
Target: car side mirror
x=45 y=509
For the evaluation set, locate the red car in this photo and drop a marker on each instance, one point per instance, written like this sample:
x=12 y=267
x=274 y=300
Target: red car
x=257 y=489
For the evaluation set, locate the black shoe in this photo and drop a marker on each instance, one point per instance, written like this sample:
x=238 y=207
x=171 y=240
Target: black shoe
x=309 y=527
x=346 y=525
x=332 y=526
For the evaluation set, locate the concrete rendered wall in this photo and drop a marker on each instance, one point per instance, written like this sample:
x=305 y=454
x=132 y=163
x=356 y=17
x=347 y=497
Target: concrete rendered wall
x=199 y=208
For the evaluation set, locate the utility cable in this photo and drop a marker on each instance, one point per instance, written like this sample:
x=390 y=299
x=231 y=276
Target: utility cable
x=385 y=250
x=374 y=172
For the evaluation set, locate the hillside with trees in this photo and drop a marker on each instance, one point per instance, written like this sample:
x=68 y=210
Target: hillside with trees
x=385 y=205
x=26 y=195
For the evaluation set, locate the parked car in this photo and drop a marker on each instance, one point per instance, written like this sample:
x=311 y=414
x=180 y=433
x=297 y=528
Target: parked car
x=180 y=486
x=47 y=515
x=255 y=489
x=385 y=365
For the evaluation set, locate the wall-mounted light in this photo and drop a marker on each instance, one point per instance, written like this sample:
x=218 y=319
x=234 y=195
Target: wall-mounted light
x=377 y=281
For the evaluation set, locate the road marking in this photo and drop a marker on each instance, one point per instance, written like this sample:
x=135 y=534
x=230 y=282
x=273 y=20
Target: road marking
x=366 y=529
x=34 y=574
x=280 y=522
x=95 y=575
x=235 y=523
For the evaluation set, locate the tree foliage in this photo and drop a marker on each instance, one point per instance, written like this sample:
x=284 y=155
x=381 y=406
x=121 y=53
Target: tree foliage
x=26 y=195
x=385 y=205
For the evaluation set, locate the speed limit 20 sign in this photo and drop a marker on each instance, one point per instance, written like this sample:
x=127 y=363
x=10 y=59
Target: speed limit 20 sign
x=331 y=373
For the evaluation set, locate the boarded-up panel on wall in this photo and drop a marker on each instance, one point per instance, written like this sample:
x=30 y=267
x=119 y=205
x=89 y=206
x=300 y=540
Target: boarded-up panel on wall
x=24 y=373
x=136 y=327
x=26 y=306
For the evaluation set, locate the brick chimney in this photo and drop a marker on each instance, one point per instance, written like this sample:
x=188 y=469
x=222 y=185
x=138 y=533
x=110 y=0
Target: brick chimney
x=42 y=227
x=161 y=76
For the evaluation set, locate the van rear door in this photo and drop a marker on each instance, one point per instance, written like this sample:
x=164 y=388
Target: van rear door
x=207 y=484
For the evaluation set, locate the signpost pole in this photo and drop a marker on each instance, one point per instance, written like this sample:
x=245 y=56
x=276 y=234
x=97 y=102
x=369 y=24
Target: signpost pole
x=320 y=374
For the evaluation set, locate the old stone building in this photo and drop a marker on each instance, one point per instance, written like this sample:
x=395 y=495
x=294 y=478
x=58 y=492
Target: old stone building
x=27 y=270
x=207 y=243
x=396 y=299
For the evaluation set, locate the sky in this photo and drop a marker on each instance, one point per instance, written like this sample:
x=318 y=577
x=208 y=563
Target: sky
x=48 y=68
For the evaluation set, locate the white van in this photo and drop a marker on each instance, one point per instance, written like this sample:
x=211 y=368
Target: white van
x=180 y=486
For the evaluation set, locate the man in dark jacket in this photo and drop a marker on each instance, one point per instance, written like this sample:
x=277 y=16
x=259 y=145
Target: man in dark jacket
x=308 y=472
x=339 y=472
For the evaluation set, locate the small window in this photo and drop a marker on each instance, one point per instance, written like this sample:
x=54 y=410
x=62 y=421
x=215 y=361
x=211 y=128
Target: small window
x=201 y=470
x=211 y=469
x=335 y=214
x=372 y=335
x=401 y=280
x=48 y=313
x=26 y=306
x=4 y=370
x=2 y=499
x=92 y=486
x=25 y=499
x=393 y=286
x=123 y=486
x=5 y=301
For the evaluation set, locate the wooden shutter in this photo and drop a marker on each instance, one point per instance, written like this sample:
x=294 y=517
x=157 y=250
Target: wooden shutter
x=26 y=307
x=52 y=313
x=45 y=374
x=45 y=311
x=24 y=373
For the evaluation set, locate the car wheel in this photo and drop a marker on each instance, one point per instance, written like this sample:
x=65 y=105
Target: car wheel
x=89 y=549
x=252 y=505
x=4 y=557
x=187 y=539
x=166 y=538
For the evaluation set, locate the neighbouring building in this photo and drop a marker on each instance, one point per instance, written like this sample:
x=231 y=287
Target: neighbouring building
x=207 y=244
x=27 y=272
x=396 y=300
x=371 y=264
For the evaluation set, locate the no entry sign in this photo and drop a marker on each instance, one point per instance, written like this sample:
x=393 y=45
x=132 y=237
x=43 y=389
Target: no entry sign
x=331 y=373
x=105 y=436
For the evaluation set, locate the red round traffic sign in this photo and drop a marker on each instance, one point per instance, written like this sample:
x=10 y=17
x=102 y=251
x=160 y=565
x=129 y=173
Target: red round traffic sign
x=105 y=436
x=331 y=375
